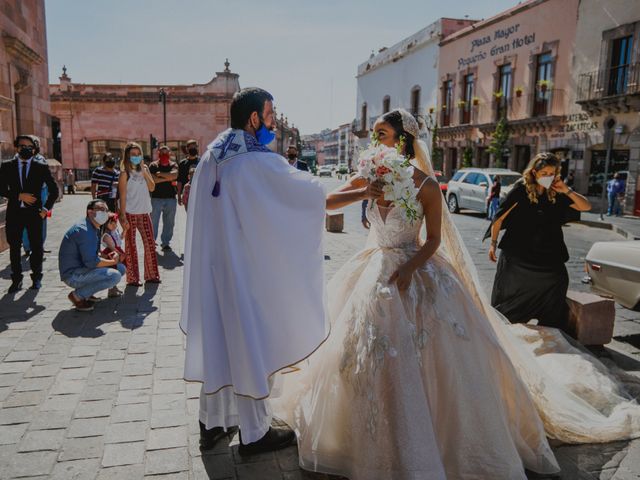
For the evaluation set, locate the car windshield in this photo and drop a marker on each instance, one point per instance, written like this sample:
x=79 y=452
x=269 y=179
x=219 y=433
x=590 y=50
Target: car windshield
x=441 y=178
x=507 y=180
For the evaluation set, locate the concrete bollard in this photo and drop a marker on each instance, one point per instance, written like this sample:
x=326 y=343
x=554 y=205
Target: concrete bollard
x=334 y=222
x=591 y=318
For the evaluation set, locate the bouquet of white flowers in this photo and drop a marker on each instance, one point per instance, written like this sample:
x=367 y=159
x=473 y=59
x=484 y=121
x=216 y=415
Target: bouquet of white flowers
x=388 y=165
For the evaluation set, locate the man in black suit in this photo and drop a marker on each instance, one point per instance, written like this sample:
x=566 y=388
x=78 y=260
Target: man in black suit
x=21 y=181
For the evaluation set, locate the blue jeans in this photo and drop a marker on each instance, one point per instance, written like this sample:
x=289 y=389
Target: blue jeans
x=166 y=207
x=494 y=203
x=96 y=280
x=614 y=205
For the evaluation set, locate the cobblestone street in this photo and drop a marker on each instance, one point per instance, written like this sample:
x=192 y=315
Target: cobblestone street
x=100 y=395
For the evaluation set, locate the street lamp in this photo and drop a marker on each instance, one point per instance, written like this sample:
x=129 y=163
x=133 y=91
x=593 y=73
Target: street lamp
x=163 y=99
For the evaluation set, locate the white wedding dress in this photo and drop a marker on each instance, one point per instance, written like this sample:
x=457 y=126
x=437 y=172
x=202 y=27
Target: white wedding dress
x=411 y=385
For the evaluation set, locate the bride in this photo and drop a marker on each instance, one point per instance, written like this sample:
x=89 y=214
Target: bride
x=420 y=377
x=412 y=382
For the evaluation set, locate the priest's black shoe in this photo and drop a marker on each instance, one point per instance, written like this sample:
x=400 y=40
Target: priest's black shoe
x=15 y=286
x=274 y=439
x=209 y=438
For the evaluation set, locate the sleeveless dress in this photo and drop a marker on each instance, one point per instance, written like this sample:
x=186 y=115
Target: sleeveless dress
x=410 y=385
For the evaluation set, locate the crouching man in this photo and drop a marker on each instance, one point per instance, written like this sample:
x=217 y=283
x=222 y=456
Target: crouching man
x=81 y=265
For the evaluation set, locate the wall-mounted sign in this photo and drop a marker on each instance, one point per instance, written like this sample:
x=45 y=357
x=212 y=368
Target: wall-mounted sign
x=488 y=45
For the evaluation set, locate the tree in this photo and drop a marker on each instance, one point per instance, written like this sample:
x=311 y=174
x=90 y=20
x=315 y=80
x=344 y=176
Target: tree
x=436 y=152
x=499 y=141
x=467 y=157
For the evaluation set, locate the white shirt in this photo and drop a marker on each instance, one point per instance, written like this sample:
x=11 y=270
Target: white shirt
x=138 y=195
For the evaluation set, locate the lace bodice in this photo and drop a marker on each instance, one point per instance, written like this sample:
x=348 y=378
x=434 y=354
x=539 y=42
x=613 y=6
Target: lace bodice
x=391 y=227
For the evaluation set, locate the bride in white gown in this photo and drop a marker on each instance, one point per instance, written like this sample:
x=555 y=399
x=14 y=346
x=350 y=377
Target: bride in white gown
x=420 y=378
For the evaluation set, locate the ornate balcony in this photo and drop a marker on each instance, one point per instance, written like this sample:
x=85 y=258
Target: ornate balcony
x=610 y=90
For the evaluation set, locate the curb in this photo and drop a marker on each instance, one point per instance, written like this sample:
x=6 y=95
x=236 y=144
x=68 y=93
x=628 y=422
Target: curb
x=609 y=226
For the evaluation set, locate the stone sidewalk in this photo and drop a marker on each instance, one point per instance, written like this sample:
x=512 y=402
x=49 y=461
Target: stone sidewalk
x=100 y=395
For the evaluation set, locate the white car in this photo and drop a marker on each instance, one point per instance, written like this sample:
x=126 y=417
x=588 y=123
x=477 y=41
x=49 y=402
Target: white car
x=325 y=171
x=613 y=269
x=469 y=187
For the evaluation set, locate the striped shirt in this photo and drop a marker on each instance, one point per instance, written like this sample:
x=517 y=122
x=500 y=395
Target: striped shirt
x=107 y=182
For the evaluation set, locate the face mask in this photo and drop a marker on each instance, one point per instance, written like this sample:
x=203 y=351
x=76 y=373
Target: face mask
x=101 y=217
x=193 y=151
x=110 y=163
x=547 y=181
x=137 y=160
x=164 y=159
x=25 y=152
x=264 y=135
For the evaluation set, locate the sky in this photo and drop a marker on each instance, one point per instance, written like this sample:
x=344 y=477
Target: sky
x=304 y=52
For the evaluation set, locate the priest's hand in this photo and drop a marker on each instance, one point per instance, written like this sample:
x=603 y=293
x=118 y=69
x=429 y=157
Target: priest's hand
x=374 y=190
x=27 y=198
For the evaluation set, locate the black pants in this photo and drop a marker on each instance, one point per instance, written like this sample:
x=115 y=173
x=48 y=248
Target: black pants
x=16 y=223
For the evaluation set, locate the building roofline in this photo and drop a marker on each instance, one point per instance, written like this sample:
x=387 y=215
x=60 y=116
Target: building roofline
x=521 y=7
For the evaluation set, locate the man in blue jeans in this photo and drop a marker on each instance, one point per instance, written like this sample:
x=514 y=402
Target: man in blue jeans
x=615 y=190
x=163 y=198
x=81 y=265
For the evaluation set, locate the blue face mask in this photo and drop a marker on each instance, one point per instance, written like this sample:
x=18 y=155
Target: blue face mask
x=264 y=135
x=136 y=160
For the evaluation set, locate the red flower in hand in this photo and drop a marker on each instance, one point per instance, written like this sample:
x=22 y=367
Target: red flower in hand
x=381 y=171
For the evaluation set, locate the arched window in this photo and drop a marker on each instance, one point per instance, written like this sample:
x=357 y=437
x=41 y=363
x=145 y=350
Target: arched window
x=386 y=104
x=415 y=100
x=363 y=117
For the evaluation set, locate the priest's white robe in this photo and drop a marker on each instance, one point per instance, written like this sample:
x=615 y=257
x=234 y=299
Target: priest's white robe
x=253 y=290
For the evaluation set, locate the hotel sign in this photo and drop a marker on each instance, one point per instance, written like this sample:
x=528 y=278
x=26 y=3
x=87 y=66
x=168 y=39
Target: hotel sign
x=503 y=40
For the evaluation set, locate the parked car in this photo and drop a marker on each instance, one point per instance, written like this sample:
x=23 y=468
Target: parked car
x=325 y=171
x=613 y=269
x=469 y=187
x=442 y=180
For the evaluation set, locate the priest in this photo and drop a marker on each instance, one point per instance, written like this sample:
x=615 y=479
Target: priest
x=252 y=305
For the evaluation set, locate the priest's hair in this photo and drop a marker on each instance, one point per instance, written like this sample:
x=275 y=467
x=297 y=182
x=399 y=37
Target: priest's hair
x=245 y=102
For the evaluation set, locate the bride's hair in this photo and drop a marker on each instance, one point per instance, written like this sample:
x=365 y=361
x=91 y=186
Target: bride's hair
x=394 y=118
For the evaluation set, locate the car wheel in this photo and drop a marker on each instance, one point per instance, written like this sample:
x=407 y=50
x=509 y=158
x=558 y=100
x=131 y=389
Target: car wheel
x=453 y=204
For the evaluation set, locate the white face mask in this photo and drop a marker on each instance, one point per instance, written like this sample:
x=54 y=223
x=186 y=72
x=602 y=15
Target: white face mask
x=546 y=182
x=101 y=217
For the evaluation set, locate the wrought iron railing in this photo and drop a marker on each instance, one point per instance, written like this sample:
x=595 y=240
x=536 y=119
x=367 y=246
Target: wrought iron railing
x=609 y=82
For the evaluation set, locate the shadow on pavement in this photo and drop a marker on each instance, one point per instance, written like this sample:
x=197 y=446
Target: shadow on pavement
x=169 y=260
x=15 y=308
x=130 y=310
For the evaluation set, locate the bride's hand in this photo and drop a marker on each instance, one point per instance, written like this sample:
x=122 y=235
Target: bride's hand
x=402 y=277
x=492 y=254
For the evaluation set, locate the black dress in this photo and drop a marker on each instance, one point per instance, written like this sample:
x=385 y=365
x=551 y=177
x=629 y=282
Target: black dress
x=532 y=280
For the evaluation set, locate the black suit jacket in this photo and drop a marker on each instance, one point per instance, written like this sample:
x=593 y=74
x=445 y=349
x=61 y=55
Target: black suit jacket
x=10 y=187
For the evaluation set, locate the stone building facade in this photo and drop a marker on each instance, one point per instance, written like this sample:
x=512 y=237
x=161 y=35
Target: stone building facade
x=94 y=119
x=607 y=75
x=518 y=66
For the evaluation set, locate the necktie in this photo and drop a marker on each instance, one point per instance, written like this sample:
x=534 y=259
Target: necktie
x=24 y=174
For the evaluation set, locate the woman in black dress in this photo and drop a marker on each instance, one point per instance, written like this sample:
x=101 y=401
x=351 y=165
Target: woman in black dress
x=532 y=280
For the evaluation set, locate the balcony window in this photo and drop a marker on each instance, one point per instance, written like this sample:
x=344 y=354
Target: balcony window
x=504 y=87
x=465 y=110
x=386 y=104
x=415 y=100
x=363 y=117
x=447 y=102
x=543 y=89
x=620 y=62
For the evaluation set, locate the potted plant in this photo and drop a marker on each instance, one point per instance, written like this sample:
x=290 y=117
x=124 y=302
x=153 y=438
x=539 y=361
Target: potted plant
x=498 y=95
x=519 y=91
x=431 y=110
x=544 y=85
x=461 y=104
x=475 y=101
